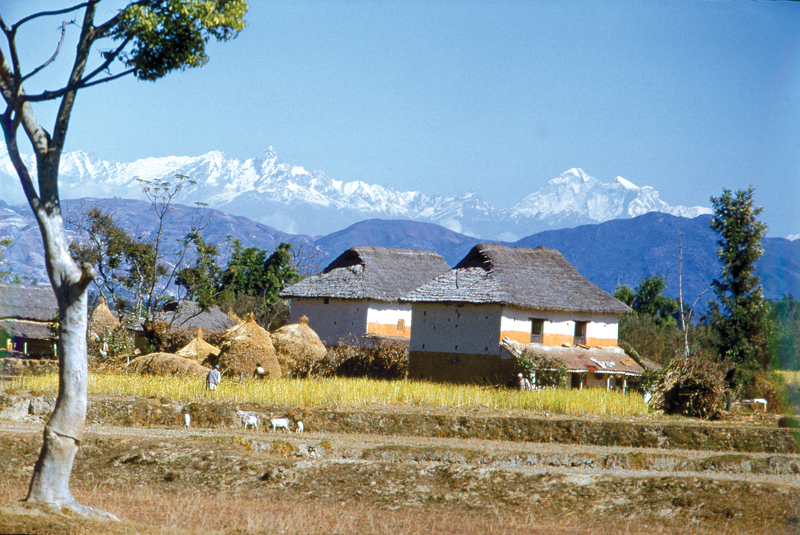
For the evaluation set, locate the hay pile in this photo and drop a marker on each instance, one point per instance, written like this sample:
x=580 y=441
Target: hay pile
x=166 y=364
x=298 y=347
x=102 y=319
x=692 y=387
x=244 y=346
x=199 y=350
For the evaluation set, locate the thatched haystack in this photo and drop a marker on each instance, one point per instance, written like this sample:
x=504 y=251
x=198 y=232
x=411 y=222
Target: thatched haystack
x=692 y=387
x=102 y=319
x=244 y=347
x=297 y=345
x=166 y=364
x=199 y=350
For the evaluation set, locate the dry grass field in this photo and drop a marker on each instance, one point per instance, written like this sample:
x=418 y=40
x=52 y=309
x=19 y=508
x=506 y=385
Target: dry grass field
x=219 y=479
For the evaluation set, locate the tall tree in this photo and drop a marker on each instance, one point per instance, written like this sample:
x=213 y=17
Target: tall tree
x=146 y=39
x=739 y=315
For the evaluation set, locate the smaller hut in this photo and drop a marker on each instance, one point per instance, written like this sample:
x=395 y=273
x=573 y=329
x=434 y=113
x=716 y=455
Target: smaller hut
x=199 y=350
x=166 y=364
x=244 y=347
x=297 y=344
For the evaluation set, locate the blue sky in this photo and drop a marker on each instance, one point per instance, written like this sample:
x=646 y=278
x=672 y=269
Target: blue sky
x=688 y=97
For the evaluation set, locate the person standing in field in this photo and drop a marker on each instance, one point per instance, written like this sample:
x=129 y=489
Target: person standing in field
x=212 y=379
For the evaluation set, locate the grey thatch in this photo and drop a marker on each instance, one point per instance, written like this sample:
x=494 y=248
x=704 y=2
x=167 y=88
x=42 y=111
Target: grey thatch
x=580 y=360
x=198 y=349
x=297 y=343
x=24 y=329
x=188 y=315
x=166 y=364
x=18 y=301
x=536 y=279
x=244 y=347
x=379 y=273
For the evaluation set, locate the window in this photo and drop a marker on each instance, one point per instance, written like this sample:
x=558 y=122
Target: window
x=401 y=326
x=326 y=301
x=537 y=330
x=580 y=333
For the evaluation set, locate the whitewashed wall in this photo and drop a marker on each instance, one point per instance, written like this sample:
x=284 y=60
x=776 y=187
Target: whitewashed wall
x=340 y=320
x=604 y=326
x=389 y=313
x=466 y=329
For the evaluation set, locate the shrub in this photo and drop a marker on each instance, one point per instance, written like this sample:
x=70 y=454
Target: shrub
x=542 y=370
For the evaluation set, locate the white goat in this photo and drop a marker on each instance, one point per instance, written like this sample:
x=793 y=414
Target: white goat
x=251 y=420
x=299 y=427
x=282 y=423
x=187 y=420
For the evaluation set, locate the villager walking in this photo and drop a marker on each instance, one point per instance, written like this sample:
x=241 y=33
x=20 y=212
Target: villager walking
x=212 y=379
x=523 y=383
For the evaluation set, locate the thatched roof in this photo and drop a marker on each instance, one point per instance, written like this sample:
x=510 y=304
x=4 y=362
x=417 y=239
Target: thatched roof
x=102 y=318
x=34 y=330
x=166 y=364
x=379 y=273
x=198 y=349
x=19 y=301
x=612 y=361
x=295 y=343
x=188 y=315
x=536 y=279
x=245 y=346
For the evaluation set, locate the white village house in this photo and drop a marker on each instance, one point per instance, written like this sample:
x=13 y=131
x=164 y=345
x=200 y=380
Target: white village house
x=498 y=302
x=357 y=297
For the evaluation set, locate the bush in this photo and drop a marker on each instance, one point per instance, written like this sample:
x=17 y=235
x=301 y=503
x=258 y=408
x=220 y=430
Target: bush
x=387 y=360
x=541 y=370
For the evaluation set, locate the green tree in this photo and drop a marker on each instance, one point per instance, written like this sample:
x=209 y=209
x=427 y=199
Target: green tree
x=201 y=279
x=253 y=281
x=651 y=328
x=784 y=341
x=739 y=315
x=146 y=39
x=649 y=299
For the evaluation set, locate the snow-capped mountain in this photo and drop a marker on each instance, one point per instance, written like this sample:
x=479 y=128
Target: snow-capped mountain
x=295 y=200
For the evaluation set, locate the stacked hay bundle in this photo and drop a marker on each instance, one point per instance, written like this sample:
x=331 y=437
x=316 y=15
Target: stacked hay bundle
x=692 y=387
x=166 y=364
x=244 y=347
x=298 y=347
x=102 y=320
x=199 y=350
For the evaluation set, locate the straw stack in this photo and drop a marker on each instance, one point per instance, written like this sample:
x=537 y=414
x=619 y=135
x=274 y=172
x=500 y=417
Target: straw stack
x=244 y=347
x=199 y=350
x=102 y=319
x=166 y=364
x=297 y=344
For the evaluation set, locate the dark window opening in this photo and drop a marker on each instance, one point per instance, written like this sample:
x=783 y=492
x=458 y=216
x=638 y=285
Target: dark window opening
x=537 y=331
x=580 y=333
x=326 y=301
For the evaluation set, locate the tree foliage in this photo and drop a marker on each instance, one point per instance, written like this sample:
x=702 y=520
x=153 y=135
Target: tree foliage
x=784 y=340
x=148 y=39
x=739 y=315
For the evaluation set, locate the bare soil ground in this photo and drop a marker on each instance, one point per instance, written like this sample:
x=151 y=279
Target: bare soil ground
x=219 y=479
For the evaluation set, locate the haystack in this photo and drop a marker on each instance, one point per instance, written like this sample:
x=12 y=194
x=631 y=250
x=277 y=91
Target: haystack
x=245 y=346
x=166 y=364
x=199 y=350
x=102 y=319
x=297 y=344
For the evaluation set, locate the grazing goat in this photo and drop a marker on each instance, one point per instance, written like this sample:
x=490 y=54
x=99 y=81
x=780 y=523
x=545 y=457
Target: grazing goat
x=187 y=420
x=299 y=427
x=249 y=419
x=282 y=423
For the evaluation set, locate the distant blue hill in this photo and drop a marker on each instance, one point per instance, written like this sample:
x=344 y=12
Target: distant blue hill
x=615 y=252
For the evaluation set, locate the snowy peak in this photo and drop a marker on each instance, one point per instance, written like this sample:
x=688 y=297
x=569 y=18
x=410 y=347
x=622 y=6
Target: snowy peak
x=294 y=199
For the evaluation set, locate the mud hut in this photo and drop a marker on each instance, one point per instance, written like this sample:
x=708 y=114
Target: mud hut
x=297 y=344
x=199 y=350
x=165 y=364
x=245 y=346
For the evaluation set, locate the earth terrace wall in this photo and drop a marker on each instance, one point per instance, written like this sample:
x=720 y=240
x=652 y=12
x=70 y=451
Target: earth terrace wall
x=560 y=430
